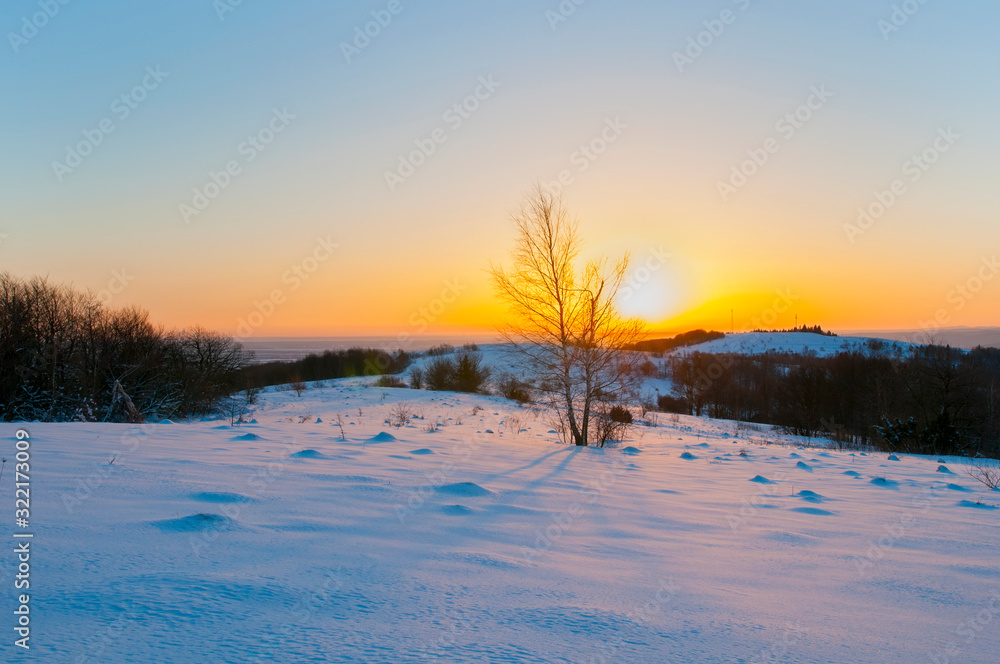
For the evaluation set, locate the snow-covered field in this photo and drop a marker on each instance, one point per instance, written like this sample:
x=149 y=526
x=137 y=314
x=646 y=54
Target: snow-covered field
x=488 y=540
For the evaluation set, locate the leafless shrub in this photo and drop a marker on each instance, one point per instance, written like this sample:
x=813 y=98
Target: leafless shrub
x=399 y=415
x=297 y=385
x=612 y=424
x=417 y=378
x=236 y=407
x=511 y=387
x=985 y=471
x=251 y=394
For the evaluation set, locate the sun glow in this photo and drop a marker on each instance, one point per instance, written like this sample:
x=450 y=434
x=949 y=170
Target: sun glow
x=652 y=301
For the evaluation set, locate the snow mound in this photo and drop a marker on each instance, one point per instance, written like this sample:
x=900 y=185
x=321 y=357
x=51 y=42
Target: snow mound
x=982 y=506
x=470 y=489
x=246 y=436
x=422 y=450
x=802 y=465
x=382 y=437
x=220 y=497
x=631 y=450
x=958 y=487
x=812 y=510
x=760 y=479
x=484 y=559
x=195 y=523
x=945 y=469
x=308 y=454
x=688 y=455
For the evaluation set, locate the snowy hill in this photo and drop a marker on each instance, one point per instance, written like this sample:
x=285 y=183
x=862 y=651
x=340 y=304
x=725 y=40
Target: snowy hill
x=758 y=343
x=487 y=540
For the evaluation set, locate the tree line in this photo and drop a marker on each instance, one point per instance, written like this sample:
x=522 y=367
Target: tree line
x=925 y=399
x=328 y=365
x=65 y=355
x=660 y=346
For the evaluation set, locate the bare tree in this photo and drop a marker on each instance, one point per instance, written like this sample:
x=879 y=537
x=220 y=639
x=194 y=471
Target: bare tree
x=566 y=325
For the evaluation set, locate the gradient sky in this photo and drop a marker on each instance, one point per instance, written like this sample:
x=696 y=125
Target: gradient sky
x=413 y=259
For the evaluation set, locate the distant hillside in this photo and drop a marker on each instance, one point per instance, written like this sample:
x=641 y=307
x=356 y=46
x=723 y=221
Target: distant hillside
x=685 y=339
x=759 y=343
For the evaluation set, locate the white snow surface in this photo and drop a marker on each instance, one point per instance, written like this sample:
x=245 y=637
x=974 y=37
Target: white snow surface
x=278 y=541
x=758 y=343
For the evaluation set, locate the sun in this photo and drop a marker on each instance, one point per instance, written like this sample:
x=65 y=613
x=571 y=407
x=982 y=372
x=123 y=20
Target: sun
x=652 y=300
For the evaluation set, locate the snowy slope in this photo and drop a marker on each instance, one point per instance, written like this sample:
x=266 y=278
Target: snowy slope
x=757 y=343
x=278 y=541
